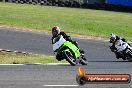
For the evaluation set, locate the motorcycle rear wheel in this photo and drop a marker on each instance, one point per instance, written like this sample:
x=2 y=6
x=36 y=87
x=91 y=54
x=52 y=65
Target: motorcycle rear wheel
x=84 y=60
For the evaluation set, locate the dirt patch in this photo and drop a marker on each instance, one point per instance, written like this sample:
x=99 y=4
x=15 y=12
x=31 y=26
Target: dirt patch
x=86 y=36
x=22 y=28
x=35 y=30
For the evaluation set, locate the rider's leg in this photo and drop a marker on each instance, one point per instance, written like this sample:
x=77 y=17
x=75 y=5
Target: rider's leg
x=59 y=57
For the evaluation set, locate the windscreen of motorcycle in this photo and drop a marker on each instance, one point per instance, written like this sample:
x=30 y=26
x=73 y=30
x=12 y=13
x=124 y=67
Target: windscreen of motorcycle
x=121 y=47
x=57 y=42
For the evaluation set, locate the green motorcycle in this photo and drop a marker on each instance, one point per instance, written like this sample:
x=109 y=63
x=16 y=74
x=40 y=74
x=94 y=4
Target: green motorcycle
x=67 y=50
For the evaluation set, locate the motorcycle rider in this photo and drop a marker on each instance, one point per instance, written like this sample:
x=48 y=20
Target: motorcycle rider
x=116 y=43
x=56 y=32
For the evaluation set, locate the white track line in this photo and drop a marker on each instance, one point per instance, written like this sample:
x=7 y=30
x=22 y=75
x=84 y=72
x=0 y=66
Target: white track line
x=61 y=85
x=51 y=56
x=57 y=64
x=38 y=64
x=12 y=64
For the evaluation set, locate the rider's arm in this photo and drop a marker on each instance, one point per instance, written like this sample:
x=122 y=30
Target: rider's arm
x=52 y=39
x=113 y=48
x=65 y=36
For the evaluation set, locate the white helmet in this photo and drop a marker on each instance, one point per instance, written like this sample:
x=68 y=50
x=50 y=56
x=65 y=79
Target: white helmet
x=112 y=37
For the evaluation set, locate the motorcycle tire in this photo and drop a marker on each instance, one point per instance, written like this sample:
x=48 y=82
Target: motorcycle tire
x=84 y=60
x=130 y=56
x=70 y=58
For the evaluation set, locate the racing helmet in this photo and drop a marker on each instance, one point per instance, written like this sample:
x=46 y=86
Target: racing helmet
x=55 y=31
x=112 y=38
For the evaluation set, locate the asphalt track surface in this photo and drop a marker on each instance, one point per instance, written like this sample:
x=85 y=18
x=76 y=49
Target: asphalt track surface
x=100 y=59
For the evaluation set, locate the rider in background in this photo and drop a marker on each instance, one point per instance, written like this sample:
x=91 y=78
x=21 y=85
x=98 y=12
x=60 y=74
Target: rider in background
x=116 y=41
x=56 y=32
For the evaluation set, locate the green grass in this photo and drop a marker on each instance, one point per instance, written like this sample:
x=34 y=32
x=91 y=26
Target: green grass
x=80 y=21
x=17 y=58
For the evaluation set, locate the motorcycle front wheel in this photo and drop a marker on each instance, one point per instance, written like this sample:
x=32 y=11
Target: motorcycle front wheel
x=69 y=58
x=129 y=54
